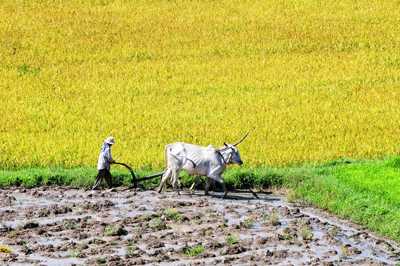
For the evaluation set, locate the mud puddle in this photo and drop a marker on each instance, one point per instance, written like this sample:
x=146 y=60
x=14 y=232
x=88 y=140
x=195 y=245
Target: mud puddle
x=61 y=226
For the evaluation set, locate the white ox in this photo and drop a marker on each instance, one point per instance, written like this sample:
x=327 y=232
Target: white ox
x=199 y=161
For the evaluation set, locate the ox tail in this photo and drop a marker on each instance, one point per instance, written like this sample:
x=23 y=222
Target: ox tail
x=166 y=150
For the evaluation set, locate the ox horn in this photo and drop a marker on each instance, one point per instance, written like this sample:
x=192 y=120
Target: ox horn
x=240 y=141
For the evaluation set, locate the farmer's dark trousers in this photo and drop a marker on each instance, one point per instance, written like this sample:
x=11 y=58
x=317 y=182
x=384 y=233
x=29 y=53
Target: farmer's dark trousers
x=103 y=174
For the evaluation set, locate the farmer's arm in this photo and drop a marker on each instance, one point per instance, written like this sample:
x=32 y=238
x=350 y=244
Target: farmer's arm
x=108 y=156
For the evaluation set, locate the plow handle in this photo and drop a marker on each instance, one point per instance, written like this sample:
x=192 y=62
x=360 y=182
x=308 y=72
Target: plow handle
x=134 y=178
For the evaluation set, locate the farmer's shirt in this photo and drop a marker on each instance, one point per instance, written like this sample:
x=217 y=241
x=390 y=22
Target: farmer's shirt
x=104 y=157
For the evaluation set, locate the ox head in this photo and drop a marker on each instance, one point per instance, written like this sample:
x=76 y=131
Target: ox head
x=231 y=152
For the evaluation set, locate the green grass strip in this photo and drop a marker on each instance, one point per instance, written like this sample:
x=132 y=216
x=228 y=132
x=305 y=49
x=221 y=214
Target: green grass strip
x=366 y=192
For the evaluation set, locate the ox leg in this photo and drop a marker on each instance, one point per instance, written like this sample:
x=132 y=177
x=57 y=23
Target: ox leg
x=215 y=175
x=179 y=184
x=175 y=181
x=220 y=180
x=192 y=187
x=195 y=184
x=225 y=189
x=207 y=187
x=164 y=178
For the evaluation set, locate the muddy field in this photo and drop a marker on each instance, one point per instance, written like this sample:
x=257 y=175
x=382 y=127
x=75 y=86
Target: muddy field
x=61 y=226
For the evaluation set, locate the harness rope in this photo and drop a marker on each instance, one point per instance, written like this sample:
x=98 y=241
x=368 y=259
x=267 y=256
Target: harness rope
x=220 y=154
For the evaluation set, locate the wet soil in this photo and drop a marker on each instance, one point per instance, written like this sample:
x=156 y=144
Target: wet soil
x=62 y=226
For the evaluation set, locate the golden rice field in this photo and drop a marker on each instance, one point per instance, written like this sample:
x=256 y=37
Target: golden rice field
x=313 y=80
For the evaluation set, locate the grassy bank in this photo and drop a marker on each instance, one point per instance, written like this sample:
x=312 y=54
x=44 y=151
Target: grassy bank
x=366 y=192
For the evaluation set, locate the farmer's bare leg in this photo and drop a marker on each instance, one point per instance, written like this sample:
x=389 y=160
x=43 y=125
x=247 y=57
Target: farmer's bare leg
x=97 y=183
x=108 y=178
x=99 y=177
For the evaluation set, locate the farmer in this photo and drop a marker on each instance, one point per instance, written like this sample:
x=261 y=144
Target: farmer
x=103 y=164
